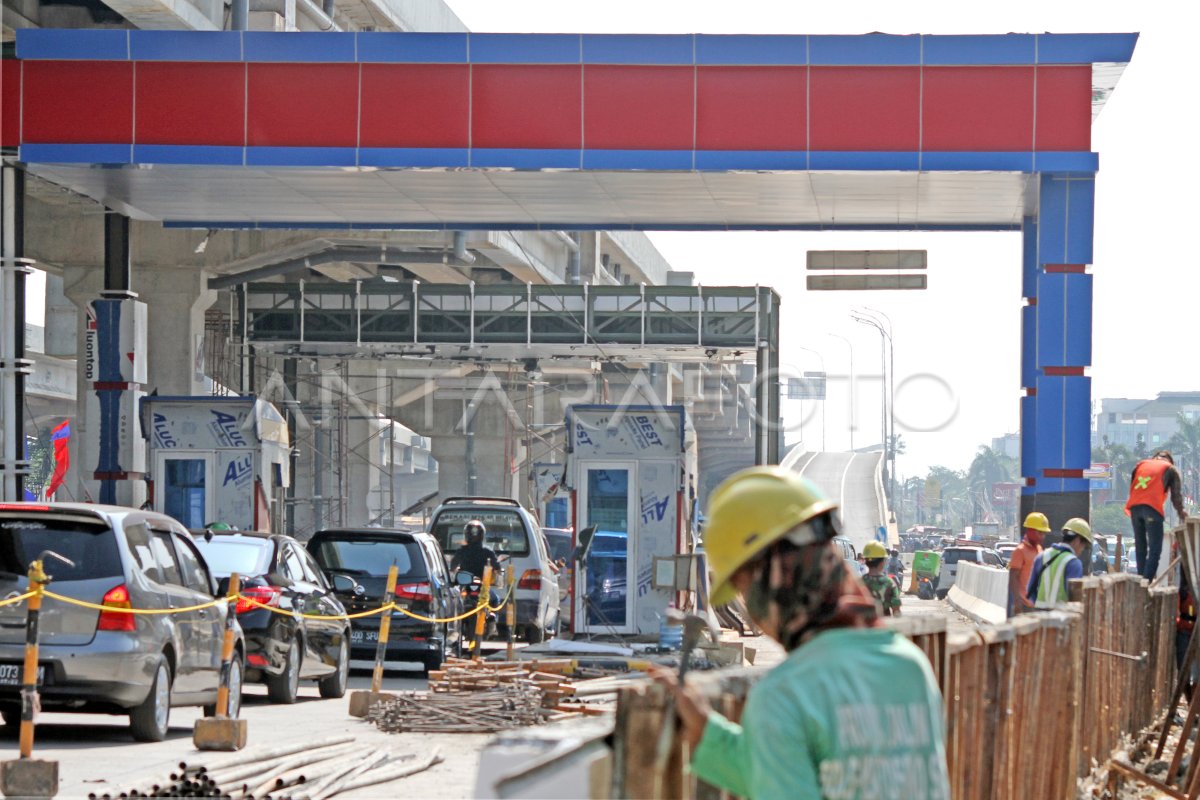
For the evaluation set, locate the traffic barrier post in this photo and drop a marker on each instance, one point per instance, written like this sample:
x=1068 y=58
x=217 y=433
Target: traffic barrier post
x=510 y=612
x=27 y=776
x=485 y=596
x=361 y=702
x=222 y=732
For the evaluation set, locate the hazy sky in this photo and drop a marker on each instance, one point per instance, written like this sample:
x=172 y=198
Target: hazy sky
x=965 y=328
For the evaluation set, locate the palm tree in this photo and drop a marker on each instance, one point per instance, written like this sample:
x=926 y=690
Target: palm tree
x=1122 y=460
x=988 y=468
x=1185 y=447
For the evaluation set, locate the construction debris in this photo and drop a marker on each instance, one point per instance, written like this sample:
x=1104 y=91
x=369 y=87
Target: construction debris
x=308 y=771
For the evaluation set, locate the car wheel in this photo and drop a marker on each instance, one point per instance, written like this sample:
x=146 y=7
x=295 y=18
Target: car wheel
x=284 y=687
x=334 y=686
x=534 y=633
x=237 y=679
x=149 y=721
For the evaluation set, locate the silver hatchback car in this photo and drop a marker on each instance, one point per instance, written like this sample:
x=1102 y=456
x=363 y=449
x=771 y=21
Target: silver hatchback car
x=106 y=661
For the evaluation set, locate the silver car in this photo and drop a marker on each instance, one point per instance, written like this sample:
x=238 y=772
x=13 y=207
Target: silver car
x=514 y=535
x=106 y=661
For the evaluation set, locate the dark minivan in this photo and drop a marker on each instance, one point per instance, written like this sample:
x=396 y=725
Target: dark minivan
x=364 y=555
x=282 y=649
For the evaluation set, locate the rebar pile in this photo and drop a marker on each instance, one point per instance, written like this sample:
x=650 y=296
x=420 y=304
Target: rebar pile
x=308 y=771
x=510 y=705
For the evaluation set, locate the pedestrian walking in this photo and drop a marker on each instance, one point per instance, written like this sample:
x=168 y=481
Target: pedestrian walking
x=1020 y=566
x=1153 y=479
x=878 y=582
x=1047 y=587
x=853 y=711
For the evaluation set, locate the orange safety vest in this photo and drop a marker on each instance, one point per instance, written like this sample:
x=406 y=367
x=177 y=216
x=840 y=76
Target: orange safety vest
x=1148 y=487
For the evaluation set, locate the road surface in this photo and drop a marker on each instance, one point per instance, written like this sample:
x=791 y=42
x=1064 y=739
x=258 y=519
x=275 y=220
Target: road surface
x=852 y=480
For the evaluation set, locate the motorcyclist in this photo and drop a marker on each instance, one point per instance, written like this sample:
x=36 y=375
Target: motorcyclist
x=473 y=556
x=896 y=564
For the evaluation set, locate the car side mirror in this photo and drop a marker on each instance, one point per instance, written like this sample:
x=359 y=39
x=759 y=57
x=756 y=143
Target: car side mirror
x=585 y=543
x=464 y=578
x=343 y=583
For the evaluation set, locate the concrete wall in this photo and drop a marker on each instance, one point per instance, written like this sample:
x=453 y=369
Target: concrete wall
x=980 y=592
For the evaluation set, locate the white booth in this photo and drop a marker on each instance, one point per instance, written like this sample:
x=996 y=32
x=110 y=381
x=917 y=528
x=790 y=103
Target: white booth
x=631 y=474
x=217 y=459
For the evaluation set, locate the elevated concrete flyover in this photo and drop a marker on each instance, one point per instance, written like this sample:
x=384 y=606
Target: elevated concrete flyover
x=853 y=481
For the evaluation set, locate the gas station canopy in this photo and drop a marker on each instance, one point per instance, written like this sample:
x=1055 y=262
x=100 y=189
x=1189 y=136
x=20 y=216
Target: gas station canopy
x=406 y=130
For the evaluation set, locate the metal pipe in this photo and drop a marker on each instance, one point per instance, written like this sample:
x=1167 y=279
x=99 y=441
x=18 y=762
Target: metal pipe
x=8 y=355
x=239 y=15
x=460 y=248
x=574 y=274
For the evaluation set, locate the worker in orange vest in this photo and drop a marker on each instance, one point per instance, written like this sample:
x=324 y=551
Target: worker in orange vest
x=1153 y=479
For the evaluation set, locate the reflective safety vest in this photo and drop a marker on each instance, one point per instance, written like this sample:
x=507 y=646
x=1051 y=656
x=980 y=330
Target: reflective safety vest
x=1052 y=581
x=1148 y=487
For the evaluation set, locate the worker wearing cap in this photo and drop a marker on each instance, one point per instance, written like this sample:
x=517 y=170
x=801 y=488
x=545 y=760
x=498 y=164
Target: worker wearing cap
x=878 y=582
x=1061 y=563
x=1153 y=480
x=1020 y=565
x=853 y=711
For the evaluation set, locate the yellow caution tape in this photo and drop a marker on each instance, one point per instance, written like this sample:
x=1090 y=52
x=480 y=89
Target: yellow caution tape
x=285 y=613
x=116 y=609
x=483 y=606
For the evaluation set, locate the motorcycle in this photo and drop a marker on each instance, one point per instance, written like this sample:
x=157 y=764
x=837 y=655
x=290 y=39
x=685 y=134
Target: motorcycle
x=925 y=588
x=470 y=586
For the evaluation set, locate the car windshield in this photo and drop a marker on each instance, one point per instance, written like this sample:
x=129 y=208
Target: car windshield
x=91 y=545
x=953 y=555
x=371 y=557
x=226 y=555
x=505 y=529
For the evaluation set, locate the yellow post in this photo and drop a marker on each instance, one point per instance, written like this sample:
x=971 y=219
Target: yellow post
x=385 y=626
x=510 y=611
x=29 y=678
x=485 y=591
x=235 y=586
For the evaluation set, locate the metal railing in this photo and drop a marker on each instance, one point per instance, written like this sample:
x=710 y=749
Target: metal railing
x=418 y=313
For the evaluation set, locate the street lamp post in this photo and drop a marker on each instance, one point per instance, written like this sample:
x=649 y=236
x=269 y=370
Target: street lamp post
x=892 y=442
x=884 y=345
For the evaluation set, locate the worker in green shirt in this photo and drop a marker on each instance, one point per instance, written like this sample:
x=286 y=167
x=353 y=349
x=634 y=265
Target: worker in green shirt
x=853 y=712
x=878 y=582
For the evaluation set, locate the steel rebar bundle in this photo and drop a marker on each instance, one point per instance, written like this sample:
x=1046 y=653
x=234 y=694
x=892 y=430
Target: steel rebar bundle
x=309 y=771
x=504 y=707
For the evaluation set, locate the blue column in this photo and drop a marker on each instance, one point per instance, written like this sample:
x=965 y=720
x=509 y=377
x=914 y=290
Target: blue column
x=1056 y=347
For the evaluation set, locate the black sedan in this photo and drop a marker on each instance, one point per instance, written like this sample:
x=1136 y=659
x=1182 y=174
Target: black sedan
x=282 y=649
x=424 y=587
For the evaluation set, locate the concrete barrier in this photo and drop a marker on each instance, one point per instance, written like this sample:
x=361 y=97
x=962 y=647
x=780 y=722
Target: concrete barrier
x=980 y=592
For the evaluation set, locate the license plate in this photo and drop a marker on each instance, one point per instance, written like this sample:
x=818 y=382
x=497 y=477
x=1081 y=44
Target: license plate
x=364 y=636
x=10 y=674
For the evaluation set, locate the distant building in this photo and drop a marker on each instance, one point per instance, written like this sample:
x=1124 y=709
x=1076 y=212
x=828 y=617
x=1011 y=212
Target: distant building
x=1009 y=445
x=1143 y=424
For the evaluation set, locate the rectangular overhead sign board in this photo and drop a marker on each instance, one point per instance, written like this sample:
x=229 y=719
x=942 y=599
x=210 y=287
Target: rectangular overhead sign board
x=809 y=387
x=867 y=259
x=865 y=282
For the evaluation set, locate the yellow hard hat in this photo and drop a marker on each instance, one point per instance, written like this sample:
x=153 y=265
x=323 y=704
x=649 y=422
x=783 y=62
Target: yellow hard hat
x=1080 y=526
x=874 y=550
x=751 y=510
x=1037 y=520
